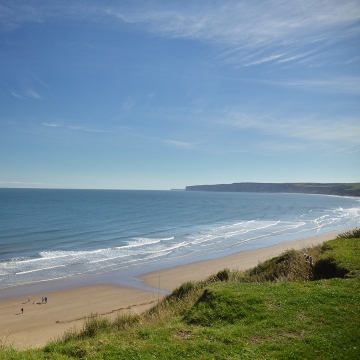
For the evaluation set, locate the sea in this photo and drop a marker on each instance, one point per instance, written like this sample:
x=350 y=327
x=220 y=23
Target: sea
x=49 y=234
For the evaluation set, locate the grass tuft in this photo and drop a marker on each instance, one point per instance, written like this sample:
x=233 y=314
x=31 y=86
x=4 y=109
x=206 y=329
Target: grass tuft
x=186 y=289
x=126 y=321
x=95 y=325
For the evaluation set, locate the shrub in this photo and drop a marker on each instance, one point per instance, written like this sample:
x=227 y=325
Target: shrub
x=95 y=325
x=289 y=266
x=351 y=234
x=223 y=275
x=185 y=289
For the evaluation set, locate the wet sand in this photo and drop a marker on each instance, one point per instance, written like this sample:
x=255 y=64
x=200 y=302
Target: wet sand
x=68 y=308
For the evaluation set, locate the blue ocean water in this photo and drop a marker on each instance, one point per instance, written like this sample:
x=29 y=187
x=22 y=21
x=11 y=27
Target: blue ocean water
x=50 y=234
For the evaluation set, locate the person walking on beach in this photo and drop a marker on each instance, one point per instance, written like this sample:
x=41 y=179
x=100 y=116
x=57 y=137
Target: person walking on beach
x=22 y=310
x=28 y=298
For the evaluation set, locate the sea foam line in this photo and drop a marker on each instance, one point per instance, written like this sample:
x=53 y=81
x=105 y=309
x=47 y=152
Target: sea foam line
x=36 y=270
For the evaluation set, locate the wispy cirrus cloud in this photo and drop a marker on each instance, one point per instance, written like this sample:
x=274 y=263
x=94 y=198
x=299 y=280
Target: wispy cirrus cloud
x=347 y=150
x=343 y=84
x=96 y=130
x=306 y=128
x=251 y=33
x=233 y=22
x=245 y=32
x=295 y=57
x=32 y=94
x=29 y=94
x=14 y=14
x=355 y=59
x=16 y=95
x=265 y=60
x=76 y=128
x=54 y=125
x=179 y=144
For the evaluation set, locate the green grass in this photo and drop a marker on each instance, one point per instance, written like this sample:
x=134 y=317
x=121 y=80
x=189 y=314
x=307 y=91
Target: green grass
x=282 y=309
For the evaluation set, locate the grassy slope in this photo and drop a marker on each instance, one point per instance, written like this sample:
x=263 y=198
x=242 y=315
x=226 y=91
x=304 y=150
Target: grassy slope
x=270 y=312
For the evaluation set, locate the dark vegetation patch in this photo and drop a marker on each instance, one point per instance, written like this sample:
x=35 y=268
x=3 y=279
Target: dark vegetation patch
x=328 y=269
x=351 y=234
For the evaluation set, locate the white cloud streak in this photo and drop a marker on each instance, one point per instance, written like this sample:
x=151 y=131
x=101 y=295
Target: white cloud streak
x=32 y=94
x=264 y=60
x=264 y=30
x=15 y=95
x=343 y=84
x=29 y=94
x=179 y=144
x=292 y=58
x=96 y=130
x=76 y=128
x=245 y=32
x=343 y=130
x=51 y=125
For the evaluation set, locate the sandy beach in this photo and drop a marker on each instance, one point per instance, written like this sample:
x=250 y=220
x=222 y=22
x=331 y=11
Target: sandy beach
x=64 y=310
x=39 y=323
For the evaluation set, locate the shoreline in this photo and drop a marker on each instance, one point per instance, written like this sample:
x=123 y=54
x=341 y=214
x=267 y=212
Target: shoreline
x=171 y=278
x=67 y=308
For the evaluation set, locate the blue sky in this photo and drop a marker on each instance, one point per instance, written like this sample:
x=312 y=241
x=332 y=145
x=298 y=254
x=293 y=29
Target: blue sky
x=164 y=94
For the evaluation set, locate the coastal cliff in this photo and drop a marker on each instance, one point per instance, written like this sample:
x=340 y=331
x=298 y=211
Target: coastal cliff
x=341 y=189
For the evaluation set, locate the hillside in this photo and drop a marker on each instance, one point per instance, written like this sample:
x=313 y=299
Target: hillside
x=341 y=189
x=291 y=306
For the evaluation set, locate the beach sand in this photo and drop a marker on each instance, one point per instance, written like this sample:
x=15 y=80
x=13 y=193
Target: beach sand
x=64 y=310
x=67 y=309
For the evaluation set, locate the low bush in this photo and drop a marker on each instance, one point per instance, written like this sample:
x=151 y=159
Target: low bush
x=351 y=234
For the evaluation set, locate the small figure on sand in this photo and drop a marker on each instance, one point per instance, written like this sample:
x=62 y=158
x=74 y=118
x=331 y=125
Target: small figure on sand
x=22 y=310
x=28 y=298
x=44 y=300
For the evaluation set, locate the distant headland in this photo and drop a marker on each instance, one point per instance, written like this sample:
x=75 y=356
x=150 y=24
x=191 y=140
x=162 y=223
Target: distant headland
x=341 y=189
